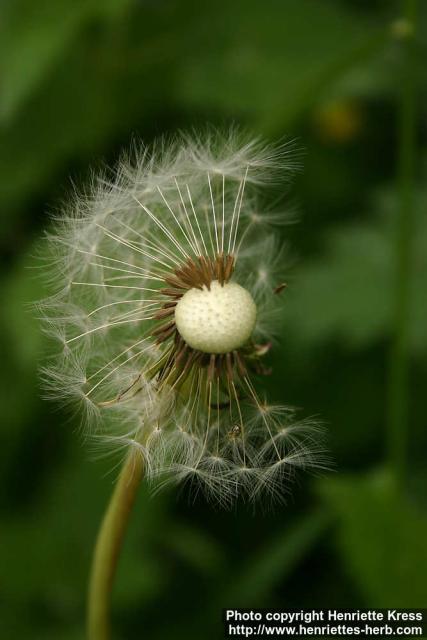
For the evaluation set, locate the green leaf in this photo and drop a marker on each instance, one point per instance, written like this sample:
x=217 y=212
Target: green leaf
x=33 y=36
x=347 y=292
x=253 y=64
x=96 y=92
x=382 y=539
x=269 y=65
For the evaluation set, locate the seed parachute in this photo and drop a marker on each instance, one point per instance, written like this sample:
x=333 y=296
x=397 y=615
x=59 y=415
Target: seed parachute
x=168 y=280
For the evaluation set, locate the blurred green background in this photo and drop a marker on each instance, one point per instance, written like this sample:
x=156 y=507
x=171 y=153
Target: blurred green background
x=78 y=80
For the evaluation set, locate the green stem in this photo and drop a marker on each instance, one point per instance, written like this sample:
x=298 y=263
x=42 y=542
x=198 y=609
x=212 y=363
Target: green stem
x=107 y=548
x=399 y=363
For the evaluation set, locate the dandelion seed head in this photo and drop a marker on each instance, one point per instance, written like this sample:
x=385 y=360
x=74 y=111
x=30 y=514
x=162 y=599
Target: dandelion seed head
x=165 y=275
x=216 y=320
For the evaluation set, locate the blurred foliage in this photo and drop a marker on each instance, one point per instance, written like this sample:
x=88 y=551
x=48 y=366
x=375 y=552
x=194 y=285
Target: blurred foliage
x=381 y=538
x=347 y=294
x=78 y=80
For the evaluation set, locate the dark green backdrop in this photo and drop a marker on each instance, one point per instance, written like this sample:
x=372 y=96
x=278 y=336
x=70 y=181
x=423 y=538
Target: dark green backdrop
x=78 y=80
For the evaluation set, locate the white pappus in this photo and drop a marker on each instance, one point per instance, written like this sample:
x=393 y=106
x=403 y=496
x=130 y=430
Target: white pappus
x=166 y=275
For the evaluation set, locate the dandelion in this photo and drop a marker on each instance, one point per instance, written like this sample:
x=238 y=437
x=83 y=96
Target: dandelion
x=170 y=281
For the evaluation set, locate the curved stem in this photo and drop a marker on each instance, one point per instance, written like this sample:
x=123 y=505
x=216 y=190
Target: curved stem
x=108 y=545
x=399 y=363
